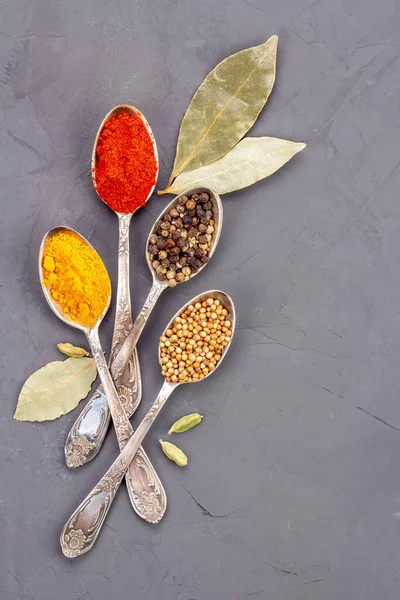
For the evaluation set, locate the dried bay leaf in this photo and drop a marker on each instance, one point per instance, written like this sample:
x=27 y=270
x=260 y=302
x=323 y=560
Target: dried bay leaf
x=249 y=161
x=55 y=389
x=225 y=106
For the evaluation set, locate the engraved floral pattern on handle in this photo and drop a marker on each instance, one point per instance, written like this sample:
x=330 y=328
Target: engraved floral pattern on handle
x=89 y=430
x=81 y=530
x=121 y=360
x=77 y=452
x=148 y=482
x=145 y=489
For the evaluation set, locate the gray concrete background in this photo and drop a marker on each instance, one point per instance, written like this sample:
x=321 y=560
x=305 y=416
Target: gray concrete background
x=293 y=487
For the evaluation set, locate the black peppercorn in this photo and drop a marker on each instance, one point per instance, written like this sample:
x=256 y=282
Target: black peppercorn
x=174 y=250
x=198 y=253
x=153 y=249
x=186 y=220
x=174 y=258
x=180 y=208
x=176 y=235
x=204 y=259
x=183 y=261
x=191 y=261
x=191 y=213
x=201 y=228
x=153 y=238
x=167 y=218
x=199 y=211
x=202 y=239
x=169 y=243
x=204 y=220
x=209 y=213
x=161 y=243
x=204 y=197
x=174 y=213
x=165 y=262
x=192 y=233
x=207 y=205
x=182 y=200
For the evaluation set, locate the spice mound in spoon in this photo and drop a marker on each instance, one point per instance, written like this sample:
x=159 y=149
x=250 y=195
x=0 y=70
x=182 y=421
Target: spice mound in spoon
x=181 y=242
x=76 y=277
x=192 y=348
x=126 y=168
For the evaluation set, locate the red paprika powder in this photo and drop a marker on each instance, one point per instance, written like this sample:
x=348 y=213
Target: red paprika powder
x=126 y=167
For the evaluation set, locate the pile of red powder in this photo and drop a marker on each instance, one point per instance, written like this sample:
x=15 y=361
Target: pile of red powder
x=126 y=168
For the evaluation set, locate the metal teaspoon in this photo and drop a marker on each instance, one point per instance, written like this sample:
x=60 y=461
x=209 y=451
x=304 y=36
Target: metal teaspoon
x=81 y=530
x=158 y=287
x=119 y=363
x=88 y=432
x=123 y=427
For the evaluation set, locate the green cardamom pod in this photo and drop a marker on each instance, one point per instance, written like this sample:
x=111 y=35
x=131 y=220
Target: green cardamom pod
x=174 y=453
x=185 y=423
x=71 y=350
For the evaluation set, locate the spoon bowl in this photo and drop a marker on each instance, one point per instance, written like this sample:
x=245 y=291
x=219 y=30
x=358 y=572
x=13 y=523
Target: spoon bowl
x=117 y=110
x=226 y=302
x=218 y=220
x=54 y=305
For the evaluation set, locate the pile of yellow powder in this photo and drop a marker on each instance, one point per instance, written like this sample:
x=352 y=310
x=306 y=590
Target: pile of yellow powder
x=76 y=277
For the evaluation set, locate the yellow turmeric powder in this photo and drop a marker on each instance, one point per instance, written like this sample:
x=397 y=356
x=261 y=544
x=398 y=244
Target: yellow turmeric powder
x=76 y=277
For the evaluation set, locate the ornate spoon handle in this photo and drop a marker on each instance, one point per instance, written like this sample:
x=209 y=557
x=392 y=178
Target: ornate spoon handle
x=89 y=430
x=81 y=530
x=122 y=358
x=145 y=489
x=94 y=416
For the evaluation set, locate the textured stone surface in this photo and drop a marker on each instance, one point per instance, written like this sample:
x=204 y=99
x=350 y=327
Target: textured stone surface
x=293 y=490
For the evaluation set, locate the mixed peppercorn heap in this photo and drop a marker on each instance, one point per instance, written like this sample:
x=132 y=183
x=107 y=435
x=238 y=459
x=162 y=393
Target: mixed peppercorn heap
x=181 y=242
x=193 y=346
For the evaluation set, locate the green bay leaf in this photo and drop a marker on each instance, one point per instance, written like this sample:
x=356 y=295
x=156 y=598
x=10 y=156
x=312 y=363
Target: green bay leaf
x=225 y=106
x=55 y=389
x=249 y=161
